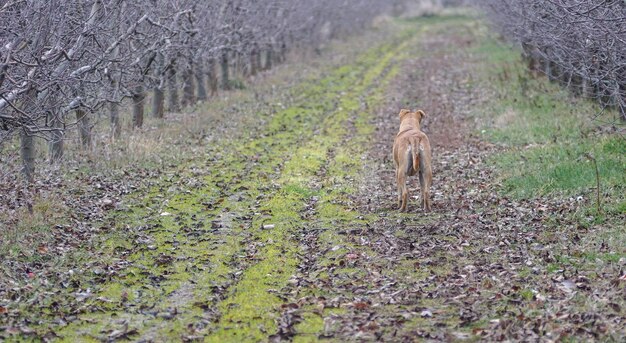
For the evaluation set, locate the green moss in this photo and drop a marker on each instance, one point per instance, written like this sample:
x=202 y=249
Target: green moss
x=553 y=267
x=199 y=233
x=114 y=292
x=450 y=20
x=342 y=173
x=408 y=270
x=169 y=241
x=312 y=324
x=606 y=257
x=526 y=294
x=241 y=319
x=524 y=272
x=309 y=329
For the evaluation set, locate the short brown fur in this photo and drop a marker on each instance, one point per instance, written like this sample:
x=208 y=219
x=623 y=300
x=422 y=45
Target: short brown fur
x=412 y=155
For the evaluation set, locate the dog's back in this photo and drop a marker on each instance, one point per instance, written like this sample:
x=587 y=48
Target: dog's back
x=412 y=155
x=409 y=142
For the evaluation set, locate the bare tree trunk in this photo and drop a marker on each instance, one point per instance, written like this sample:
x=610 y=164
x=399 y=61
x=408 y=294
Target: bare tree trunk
x=188 y=87
x=603 y=95
x=114 y=114
x=27 y=138
x=138 y=108
x=173 y=103
x=83 y=121
x=235 y=58
x=56 y=144
x=212 y=76
x=615 y=95
x=268 y=58
x=158 y=102
x=158 y=97
x=224 y=67
x=27 y=151
x=594 y=90
x=587 y=88
x=621 y=100
x=258 y=60
x=554 y=72
x=283 y=51
x=199 y=74
x=114 y=111
x=548 y=69
x=577 y=84
x=242 y=65
x=84 y=127
x=567 y=80
x=253 y=60
x=57 y=134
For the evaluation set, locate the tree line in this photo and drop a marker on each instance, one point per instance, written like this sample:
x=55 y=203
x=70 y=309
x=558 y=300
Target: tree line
x=579 y=43
x=61 y=62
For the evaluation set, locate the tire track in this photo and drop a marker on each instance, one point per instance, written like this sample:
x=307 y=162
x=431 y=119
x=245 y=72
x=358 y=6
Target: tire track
x=251 y=312
x=199 y=247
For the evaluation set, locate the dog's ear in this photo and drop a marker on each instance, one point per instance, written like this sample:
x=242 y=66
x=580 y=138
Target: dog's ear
x=421 y=113
x=404 y=112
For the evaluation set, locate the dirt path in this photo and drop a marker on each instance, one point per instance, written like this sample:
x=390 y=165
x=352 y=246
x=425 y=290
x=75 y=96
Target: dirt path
x=291 y=232
x=482 y=266
x=205 y=252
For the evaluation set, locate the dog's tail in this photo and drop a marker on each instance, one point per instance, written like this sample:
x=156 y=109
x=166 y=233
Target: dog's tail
x=413 y=154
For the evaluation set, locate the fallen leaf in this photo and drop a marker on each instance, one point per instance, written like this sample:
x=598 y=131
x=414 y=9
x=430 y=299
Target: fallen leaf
x=361 y=305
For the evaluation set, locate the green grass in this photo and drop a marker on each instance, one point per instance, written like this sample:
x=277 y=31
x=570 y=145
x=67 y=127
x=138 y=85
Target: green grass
x=563 y=167
x=547 y=136
x=185 y=260
x=31 y=231
x=535 y=120
x=450 y=19
x=549 y=133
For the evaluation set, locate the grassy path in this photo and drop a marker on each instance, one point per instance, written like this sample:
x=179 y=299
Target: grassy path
x=289 y=232
x=204 y=252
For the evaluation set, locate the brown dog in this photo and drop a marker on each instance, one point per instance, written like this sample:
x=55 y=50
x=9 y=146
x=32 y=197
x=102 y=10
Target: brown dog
x=411 y=154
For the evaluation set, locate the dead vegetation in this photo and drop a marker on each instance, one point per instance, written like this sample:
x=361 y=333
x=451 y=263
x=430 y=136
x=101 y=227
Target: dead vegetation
x=310 y=231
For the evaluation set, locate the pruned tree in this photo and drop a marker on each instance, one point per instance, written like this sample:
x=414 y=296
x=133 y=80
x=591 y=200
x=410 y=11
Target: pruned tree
x=61 y=62
x=580 y=44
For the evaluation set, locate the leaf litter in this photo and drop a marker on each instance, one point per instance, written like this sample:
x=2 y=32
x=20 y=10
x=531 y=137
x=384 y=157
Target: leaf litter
x=481 y=266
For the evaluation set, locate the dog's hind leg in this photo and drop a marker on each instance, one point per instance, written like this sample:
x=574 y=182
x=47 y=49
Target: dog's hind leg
x=426 y=180
x=397 y=165
x=399 y=189
x=404 y=172
x=403 y=193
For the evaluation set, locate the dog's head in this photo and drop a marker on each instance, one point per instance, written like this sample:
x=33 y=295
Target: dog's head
x=418 y=114
x=403 y=112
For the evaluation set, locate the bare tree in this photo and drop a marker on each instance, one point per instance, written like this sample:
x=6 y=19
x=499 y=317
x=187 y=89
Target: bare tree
x=77 y=57
x=580 y=44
